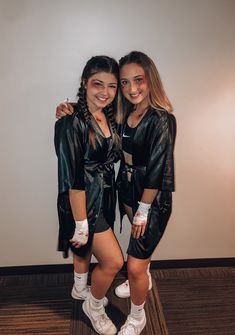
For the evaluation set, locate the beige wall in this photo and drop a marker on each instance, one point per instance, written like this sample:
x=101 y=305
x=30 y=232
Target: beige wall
x=44 y=45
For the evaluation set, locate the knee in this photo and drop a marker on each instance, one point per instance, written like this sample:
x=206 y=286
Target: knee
x=118 y=264
x=115 y=266
x=135 y=271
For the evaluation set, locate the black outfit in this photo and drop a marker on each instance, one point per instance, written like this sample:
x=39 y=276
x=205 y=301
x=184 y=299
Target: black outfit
x=82 y=167
x=127 y=143
x=127 y=138
x=103 y=223
x=153 y=168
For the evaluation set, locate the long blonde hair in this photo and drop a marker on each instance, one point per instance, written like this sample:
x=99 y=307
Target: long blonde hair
x=157 y=94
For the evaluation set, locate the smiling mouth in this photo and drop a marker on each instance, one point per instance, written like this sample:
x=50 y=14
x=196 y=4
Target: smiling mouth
x=134 y=96
x=102 y=99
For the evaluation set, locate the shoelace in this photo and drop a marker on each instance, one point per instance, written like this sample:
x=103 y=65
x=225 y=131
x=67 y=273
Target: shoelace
x=103 y=319
x=129 y=328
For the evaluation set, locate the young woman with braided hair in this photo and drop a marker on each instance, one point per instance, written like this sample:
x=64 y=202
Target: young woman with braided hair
x=146 y=176
x=87 y=146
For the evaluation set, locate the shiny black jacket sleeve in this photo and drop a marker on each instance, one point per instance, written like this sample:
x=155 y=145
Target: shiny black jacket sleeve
x=69 y=150
x=160 y=165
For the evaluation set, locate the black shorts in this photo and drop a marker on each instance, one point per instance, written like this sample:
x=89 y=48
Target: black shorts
x=143 y=247
x=101 y=224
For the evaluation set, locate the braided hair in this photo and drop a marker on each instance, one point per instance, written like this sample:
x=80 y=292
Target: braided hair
x=94 y=65
x=87 y=115
x=110 y=113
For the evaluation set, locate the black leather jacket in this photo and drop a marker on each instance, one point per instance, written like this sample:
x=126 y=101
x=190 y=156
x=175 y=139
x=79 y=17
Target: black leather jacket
x=82 y=167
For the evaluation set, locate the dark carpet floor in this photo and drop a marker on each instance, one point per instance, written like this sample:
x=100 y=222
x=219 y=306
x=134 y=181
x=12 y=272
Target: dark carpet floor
x=41 y=304
x=182 y=302
x=198 y=301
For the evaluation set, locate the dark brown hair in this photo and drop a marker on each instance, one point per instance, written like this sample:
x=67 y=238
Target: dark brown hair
x=95 y=65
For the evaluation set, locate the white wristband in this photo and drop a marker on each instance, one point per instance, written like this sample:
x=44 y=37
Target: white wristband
x=81 y=232
x=141 y=216
x=82 y=224
x=144 y=208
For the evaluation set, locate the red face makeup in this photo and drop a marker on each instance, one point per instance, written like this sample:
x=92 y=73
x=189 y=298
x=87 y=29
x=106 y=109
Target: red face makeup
x=134 y=83
x=101 y=90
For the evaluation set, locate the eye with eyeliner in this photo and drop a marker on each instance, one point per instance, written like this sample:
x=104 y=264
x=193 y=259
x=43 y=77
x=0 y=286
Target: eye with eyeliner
x=114 y=86
x=139 y=80
x=123 y=82
x=97 y=84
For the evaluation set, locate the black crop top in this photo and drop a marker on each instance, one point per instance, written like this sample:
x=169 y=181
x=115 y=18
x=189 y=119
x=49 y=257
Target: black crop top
x=127 y=138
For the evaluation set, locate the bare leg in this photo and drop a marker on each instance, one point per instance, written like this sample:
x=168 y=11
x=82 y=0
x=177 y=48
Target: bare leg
x=133 y=262
x=138 y=279
x=81 y=268
x=110 y=260
x=138 y=267
x=139 y=282
x=81 y=264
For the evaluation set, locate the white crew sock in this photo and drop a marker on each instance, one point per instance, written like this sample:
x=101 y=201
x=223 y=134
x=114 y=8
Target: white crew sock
x=137 y=311
x=96 y=303
x=80 y=280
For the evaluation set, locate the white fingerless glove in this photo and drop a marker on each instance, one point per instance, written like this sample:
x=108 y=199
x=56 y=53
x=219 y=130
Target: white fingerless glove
x=141 y=215
x=81 y=232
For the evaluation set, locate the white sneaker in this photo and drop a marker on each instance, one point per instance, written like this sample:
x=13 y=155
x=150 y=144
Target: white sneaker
x=82 y=295
x=132 y=326
x=99 y=319
x=123 y=290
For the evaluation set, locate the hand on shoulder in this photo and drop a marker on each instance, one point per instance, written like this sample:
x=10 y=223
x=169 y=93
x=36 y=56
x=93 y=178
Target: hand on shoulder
x=63 y=109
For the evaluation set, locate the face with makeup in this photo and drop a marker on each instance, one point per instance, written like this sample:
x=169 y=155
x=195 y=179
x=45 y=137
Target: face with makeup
x=101 y=89
x=134 y=83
